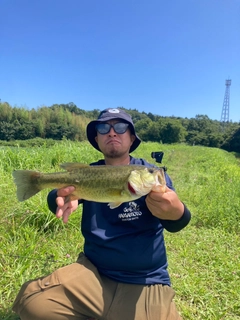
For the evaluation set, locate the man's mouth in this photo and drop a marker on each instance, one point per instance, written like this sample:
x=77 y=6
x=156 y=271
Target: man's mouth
x=113 y=141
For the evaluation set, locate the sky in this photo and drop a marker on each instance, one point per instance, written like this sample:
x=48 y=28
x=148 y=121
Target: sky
x=170 y=58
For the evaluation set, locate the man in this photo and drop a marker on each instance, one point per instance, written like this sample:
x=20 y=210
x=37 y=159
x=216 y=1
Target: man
x=122 y=274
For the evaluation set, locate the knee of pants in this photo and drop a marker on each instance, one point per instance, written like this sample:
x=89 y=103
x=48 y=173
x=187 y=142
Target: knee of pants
x=35 y=289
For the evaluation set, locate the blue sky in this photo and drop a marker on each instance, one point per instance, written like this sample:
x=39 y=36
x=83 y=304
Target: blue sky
x=164 y=57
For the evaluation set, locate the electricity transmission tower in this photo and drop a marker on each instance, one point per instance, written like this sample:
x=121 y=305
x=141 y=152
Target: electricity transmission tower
x=226 y=100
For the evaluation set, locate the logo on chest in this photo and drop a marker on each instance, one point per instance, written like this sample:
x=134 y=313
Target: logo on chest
x=132 y=212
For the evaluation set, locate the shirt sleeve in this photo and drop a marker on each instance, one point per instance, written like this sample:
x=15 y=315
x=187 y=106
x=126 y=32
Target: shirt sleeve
x=177 y=225
x=51 y=200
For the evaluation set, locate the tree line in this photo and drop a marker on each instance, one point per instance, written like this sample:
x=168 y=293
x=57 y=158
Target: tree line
x=67 y=121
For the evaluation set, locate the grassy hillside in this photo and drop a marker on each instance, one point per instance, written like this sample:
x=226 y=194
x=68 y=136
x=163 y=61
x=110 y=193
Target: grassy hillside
x=204 y=260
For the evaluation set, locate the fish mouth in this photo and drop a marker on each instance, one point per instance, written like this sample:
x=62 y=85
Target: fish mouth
x=131 y=189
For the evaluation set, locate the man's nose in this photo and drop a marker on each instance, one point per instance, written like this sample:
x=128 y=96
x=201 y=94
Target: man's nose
x=112 y=132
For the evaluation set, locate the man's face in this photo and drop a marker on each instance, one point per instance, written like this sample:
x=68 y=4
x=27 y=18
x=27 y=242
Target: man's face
x=112 y=144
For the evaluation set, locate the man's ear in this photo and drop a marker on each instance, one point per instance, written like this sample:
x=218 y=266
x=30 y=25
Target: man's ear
x=133 y=138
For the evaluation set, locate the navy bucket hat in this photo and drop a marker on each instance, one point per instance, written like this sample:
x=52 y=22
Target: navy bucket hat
x=110 y=114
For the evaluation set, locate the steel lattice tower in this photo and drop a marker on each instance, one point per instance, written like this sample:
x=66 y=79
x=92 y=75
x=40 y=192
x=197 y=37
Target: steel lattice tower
x=226 y=100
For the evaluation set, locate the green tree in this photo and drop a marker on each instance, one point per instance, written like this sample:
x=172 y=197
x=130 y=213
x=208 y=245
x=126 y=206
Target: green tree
x=5 y=112
x=141 y=128
x=232 y=143
x=172 y=132
x=7 y=131
x=153 y=132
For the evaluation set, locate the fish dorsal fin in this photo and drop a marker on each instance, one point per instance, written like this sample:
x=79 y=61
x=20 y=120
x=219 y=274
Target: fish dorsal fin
x=71 y=166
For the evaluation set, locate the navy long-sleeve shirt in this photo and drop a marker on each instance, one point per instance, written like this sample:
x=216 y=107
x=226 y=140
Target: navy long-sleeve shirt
x=127 y=243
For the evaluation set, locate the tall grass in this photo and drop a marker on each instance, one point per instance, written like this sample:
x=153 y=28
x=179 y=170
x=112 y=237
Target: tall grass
x=204 y=261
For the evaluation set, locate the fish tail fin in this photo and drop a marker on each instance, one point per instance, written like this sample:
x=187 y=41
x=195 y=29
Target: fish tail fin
x=26 y=182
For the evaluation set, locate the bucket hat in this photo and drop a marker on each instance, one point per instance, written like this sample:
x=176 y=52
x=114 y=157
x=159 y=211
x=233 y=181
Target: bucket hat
x=110 y=114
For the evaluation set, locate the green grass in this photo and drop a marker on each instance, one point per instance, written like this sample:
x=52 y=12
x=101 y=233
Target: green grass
x=204 y=259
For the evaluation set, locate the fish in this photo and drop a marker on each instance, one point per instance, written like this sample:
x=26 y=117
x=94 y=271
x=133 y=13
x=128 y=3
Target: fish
x=101 y=183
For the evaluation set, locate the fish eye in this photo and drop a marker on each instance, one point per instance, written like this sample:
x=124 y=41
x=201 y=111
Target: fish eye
x=150 y=170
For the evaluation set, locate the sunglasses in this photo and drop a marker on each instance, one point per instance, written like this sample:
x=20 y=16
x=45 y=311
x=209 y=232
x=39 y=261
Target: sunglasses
x=119 y=127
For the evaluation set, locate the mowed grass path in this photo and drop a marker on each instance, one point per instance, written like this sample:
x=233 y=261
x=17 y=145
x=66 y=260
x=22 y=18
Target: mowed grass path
x=204 y=261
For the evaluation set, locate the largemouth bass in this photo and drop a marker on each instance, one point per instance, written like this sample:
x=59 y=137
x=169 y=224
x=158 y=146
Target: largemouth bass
x=109 y=184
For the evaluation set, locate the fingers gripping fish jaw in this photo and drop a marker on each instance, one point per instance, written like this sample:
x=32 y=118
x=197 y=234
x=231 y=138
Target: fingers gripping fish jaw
x=160 y=185
x=141 y=182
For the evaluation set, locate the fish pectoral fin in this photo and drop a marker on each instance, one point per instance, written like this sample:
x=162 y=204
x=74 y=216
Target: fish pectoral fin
x=114 y=205
x=70 y=197
x=71 y=166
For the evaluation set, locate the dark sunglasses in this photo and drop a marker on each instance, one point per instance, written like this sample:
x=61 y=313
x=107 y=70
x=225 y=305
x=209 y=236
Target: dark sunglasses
x=119 y=127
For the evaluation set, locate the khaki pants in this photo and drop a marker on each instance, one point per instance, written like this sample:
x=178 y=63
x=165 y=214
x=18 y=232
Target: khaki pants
x=78 y=291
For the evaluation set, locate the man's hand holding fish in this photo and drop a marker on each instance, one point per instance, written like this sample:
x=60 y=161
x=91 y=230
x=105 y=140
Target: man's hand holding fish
x=64 y=209
x=165 y=205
